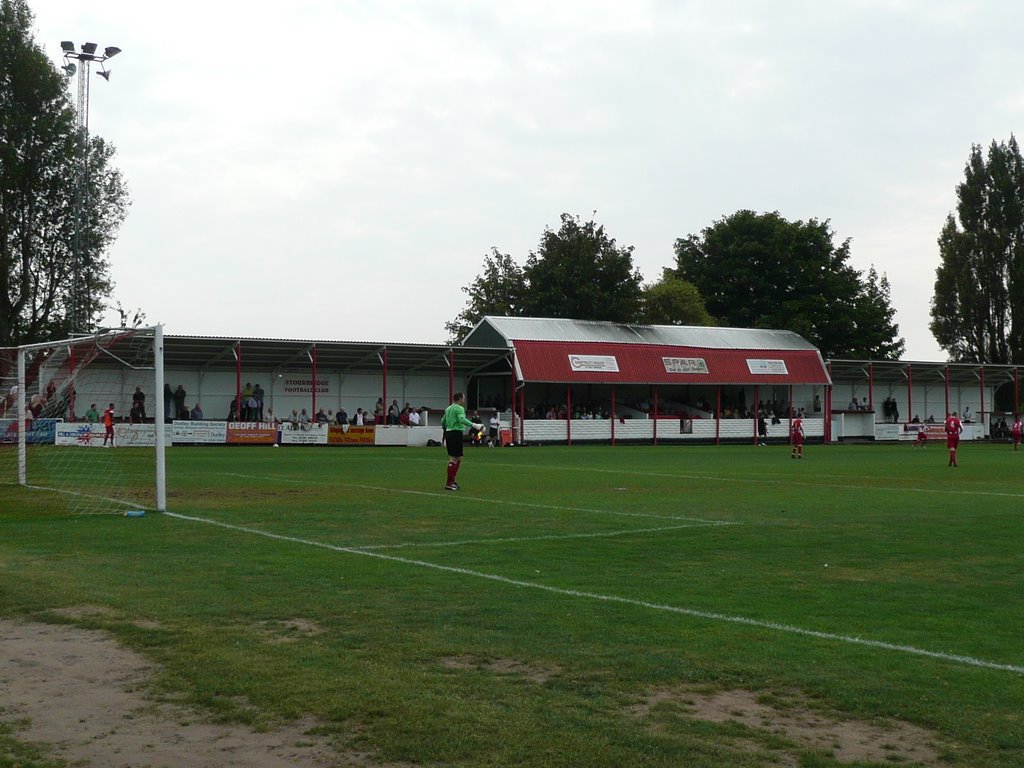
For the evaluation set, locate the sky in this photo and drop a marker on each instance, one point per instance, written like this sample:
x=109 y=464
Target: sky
x=339 y=170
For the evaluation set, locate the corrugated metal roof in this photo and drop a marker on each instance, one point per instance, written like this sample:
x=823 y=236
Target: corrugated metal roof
x=499 y=331
x=616 y=363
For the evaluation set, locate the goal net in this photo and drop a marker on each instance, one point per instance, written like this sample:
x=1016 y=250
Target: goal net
x=77 y=420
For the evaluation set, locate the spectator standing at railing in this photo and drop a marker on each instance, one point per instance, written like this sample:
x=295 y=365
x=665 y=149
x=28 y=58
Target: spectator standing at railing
x=179 y=401
x=139 y=403
x=197 y=413
x=168 y=401
x=92 y=416
x=258 y=394
x=341 y=417
x=414 y=417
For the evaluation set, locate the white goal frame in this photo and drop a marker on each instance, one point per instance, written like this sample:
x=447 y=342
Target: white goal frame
x=149 y=335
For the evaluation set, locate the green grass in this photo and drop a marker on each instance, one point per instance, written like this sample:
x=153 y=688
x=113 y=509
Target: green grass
x=517 y=622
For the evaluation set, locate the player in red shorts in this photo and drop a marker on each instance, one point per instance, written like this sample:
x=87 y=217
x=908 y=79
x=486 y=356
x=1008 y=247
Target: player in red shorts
x=953 y=430
x=922 y=437
x=796 y=435
x=1015 y=432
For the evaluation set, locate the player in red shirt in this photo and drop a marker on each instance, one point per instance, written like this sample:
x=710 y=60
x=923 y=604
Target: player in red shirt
x=953 y=430
x=108 y=422
x=1015 y=432
x=922 y=437
x=796 y=434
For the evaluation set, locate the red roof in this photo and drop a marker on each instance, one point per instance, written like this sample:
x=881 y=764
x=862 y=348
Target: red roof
x=616 y=363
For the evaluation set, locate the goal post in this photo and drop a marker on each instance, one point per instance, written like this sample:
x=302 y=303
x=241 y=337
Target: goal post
x=82 y=418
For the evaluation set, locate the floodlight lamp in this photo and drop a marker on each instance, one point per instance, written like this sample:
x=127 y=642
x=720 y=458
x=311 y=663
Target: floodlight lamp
x=69 y=69
x=67 y=45
x=89 y=48
x=111 y=51
x=105 y=74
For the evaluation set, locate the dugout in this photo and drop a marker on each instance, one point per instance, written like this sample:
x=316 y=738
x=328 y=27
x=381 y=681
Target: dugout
x=588 y=381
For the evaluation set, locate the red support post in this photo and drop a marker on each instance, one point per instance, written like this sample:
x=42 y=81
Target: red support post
x=568 y=414
x=238 y=381
x=871 y=387
x=312 y=413
x=718 y=415
x=947 y=391
x=613 y=414
x=384 y=387
x=757 y=411
x=655 y=413
x=981 y=414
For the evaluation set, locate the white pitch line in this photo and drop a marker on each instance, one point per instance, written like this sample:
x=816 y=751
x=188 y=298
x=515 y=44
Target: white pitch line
x=486 y=500
x=551 y=537
x=707 y=615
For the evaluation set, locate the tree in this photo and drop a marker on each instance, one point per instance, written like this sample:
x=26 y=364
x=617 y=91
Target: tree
x=579 y=272
x=762 y=271
x=39 y=152
x=498 y=290
x=673 y=301
x=978 y=304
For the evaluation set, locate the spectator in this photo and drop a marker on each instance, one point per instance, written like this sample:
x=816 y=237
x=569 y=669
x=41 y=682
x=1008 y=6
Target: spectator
x=321 y=417
x=257 y=393
x=197 y=413
x=168 y=401
x=179 y=401
x=139 y=403
x=392 y=415
x=494 y=430
x=854 y=405
x=251 y=408
x=271 y=418
x=304 y=421
x=92 y=415
x=414 y=417
x=341 y=417
x=294 y=420
x=233 y=410
x=967 y=417
x=403 y=417
x=359 y=419
x=137 y=413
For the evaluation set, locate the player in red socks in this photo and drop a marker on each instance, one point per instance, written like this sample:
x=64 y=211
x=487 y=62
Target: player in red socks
x=454 y=423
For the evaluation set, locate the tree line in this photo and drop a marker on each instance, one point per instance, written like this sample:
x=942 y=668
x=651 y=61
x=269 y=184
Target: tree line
x=747 y=270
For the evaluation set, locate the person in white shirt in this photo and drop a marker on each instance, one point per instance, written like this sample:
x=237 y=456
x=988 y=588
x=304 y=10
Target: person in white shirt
x=414 y=417
x=495 y=428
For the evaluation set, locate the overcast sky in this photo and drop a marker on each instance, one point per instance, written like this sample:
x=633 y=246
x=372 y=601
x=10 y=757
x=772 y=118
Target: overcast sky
x=326 y=169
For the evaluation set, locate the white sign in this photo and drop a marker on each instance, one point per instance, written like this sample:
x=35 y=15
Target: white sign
x=685 y=365
x=767 y=367
x=601 y=363
x=200 y=432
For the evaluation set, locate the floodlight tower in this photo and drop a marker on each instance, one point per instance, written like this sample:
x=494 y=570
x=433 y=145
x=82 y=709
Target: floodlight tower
x=77 y=316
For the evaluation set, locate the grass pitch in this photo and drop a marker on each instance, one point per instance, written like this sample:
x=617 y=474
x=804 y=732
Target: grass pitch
x=567 y=606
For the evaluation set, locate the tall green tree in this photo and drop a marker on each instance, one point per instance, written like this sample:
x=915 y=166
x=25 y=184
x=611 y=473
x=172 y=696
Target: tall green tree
x=577 y=272
x=978 y=303
x=674 y=301
x=39 y=153
x=580 y=272
x=762 y=271
x=498 y=291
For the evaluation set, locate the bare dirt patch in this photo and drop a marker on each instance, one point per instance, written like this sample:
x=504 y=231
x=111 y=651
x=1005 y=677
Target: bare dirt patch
x=290 y=631
x=791 y=717
x=82 y=693
x=532 y=672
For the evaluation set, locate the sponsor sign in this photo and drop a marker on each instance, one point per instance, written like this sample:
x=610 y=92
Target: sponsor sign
x=251 y=433
x=349 y=435
x=304 y=436
x=204 y=432
x=767 y=367
x=685 y=365
x=303 y=385
x=38 y=430
x=598 y=363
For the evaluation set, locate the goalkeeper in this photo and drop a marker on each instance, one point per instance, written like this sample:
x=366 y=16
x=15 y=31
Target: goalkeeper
x=454 y=423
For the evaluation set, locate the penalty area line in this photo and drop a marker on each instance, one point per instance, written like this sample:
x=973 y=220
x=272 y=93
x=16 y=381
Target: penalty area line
x=616 y=599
